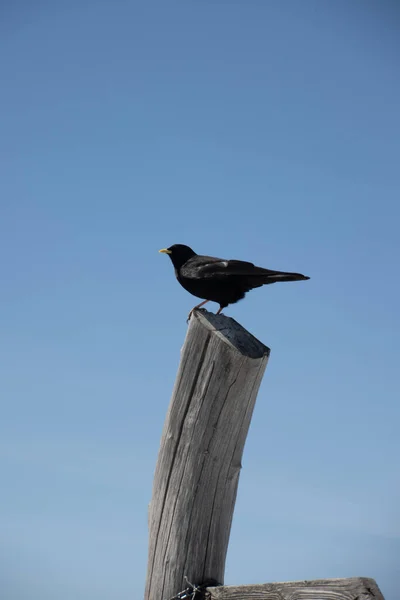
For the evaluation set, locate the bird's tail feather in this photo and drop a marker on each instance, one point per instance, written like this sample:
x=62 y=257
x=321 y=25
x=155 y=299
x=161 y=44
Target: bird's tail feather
x=267 y=276
x=282 y=276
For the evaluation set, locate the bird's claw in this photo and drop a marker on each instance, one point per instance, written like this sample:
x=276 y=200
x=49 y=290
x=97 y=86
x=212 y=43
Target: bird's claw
x=191 y=312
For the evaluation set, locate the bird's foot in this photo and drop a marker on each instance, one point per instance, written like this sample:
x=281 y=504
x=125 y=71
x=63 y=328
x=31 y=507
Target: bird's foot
x=195 y=308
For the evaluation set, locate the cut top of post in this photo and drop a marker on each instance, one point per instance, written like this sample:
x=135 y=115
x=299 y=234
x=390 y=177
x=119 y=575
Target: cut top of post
x=232 y=333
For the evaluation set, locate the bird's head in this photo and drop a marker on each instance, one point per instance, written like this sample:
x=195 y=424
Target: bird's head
x=179 y=254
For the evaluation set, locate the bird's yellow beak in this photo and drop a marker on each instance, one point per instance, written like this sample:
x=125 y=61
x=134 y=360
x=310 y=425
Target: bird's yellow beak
x=165 y=251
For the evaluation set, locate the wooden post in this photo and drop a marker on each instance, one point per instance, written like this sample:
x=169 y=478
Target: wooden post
x=197 y=473
x=199 y=460
x=351 y=588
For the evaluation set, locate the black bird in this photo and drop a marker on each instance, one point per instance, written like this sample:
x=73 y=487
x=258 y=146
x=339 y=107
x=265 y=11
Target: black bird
x=219 y=280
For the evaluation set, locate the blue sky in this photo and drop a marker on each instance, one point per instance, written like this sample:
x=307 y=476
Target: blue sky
x=266 y=131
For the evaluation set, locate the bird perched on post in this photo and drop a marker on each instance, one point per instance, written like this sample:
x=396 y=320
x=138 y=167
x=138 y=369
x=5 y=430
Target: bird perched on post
x=219 y=280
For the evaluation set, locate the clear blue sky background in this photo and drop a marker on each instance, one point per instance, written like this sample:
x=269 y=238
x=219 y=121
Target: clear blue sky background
x=266 y=131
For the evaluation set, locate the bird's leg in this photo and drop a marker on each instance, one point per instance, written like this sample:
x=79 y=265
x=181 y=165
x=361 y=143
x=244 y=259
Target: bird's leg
x=219 y=310
x=195 y=307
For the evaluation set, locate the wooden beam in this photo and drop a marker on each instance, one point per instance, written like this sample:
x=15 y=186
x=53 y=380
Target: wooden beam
x=353 y=588
x=199 y=461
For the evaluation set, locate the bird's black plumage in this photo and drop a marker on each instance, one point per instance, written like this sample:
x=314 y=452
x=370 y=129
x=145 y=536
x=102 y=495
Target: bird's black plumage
x=219 y=280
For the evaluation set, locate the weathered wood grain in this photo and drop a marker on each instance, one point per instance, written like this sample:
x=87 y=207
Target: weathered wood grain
x=353 y=588
x=199 y=461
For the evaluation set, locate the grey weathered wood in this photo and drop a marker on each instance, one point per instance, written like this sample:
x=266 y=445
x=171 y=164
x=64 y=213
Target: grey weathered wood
x=353 y=588
x=199 y=461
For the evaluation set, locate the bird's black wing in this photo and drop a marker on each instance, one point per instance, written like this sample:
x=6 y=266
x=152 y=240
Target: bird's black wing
x=210 y=267
x=218 y=269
